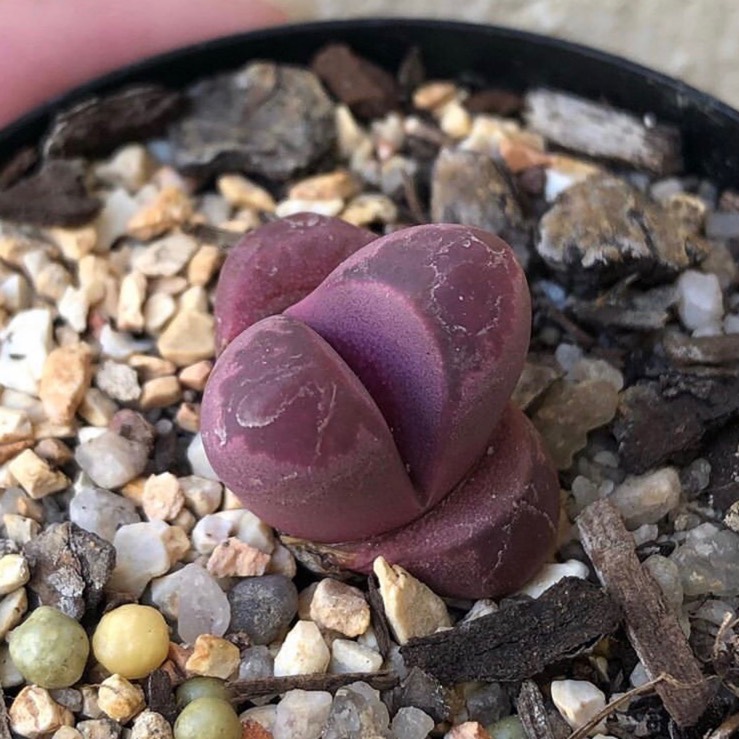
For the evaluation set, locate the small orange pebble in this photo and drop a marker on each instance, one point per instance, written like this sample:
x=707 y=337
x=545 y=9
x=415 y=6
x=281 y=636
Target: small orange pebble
x=518 y=156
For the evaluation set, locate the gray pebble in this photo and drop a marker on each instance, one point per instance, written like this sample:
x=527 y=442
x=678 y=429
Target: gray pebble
x=263 y=607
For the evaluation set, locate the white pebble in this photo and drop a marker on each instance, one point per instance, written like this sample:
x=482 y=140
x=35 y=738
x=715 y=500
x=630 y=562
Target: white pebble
x=301 y=714
x=578 y=701
x=647 y=498
x=303 y=652
x=26 y=342
x=551 y=574
x=349 y=656
x=197 y=459
x=209 y=532
x=141 y=554
x=254 y=532
x=700 y=301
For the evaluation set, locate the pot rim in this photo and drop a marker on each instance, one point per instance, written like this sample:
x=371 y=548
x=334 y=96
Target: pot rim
x=30 y=127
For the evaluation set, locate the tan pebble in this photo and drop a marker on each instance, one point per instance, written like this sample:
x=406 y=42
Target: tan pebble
x=13 y=248
x=202 y=496
x=96 y=407
x=54 y=451
x=196 y=375
x=35 y=713
x=433 y=94
x=131 y=297
x=120 y=699
x=67 y=732
x=349 y=134
x=74 y=307
x=168 y=176
x=689 y=210
x=173 y=285
x=159 y=308
x=243 y=193
x=188 y=417
x=118 y=381
x=339 y=184
x=454 y=120
x=151 y=725
x=64 y=381
x=189 y=338
x=412 y=609
x=15 y=425
x=176 y=542
x=35 y=475
x=30 y=508
x=14 y=573
x=468 y=730
x=518 y=157
x=12 y=608
x=171 y=208
x=149 y=368
x=167 y=256
x=160 y=392
x=236 y=225
x=20 y=529
x=204 y=265
x=341 y=607
x=370 y=208
x=194 y=298
x=185 y=520
x=231 y=501
x=213 y=657
x=305 y=599
x=234 y=558
x=74 y=243
x=93 y=273
x=134 y=490
x=162 y=497
x=45 y=429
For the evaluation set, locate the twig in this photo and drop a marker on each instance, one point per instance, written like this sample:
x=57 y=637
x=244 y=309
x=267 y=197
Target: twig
x=652 y=628
x=244 y=690
x=584 y=730
x=412 y=199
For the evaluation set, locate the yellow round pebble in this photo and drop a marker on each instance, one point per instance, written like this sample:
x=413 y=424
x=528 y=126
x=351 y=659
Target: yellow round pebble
x=131 y=641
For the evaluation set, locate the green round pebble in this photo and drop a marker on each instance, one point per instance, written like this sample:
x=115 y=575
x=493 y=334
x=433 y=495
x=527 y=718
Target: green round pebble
x=507 y=728
x=208 y=718
x=200 y=687
x=49 y=648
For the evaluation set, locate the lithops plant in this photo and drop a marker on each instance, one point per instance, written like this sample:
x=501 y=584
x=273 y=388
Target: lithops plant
x=372 y=416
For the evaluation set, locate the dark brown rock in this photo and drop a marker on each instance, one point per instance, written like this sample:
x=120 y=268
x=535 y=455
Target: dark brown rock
x=471 y=189
x=518 y=641
x=54 y=196
x=722 y=451
x=69 y=568
x=665 y=420
x=602 y=229
x=266 y=119
x=368 y=90
x=98 y=125
x=160 y=695
x=16 y=166
x=496 y=101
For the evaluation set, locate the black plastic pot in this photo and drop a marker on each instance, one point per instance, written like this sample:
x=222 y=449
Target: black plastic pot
x=481 y=54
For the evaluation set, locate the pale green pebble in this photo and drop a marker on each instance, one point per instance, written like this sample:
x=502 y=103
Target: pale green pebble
x=509 y=727
x=49 y=648
x=208 y=718
x=200 y=687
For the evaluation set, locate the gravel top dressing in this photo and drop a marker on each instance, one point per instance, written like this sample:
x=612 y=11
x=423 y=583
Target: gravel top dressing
x=279 y=451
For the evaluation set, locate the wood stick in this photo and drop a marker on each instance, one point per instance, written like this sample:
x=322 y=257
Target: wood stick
x=652 y=628
x=243 y=690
